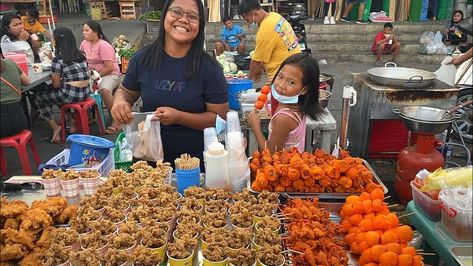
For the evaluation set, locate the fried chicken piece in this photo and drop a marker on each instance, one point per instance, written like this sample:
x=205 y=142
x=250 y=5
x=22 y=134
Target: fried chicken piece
x=12 y=223
x=11 y=236
x=35 y=218
x=43 y=241
x=68 y=214
x=53 y=206
x=11 y=252
x=32 y=259
x=13 y=208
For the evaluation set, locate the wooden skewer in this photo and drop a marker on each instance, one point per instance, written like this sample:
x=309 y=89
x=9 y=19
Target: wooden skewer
x=426 y=254
x=391 y=206
x=295 y=251
x=387 y=197
x=407 y=214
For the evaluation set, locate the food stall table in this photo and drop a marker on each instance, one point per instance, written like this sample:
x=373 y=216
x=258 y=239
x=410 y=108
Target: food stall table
x=36 y=78
x=436 y=237
x=323 y=128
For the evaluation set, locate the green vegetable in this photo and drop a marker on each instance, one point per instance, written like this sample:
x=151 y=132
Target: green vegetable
x=126 y=53
x=154 y=15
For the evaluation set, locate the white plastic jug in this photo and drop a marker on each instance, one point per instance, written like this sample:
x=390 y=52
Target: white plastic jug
x=216 y=166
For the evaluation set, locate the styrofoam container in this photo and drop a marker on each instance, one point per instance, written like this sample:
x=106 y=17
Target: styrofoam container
x=429 y=207
x=456 y=221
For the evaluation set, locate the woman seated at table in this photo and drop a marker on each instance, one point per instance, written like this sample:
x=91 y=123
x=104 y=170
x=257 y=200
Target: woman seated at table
x=15 y=37
x=101 y=57
x=12 y=119
x=70 y=80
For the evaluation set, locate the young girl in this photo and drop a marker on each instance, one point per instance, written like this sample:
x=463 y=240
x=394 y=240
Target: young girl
x=452 y=33
x=296 y=88
x=70 y=80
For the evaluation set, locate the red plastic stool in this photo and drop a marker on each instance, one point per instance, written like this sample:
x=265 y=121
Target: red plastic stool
x=81 y=116
x=19 y=142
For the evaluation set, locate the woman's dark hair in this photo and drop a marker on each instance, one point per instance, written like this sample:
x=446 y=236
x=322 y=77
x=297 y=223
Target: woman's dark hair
x=309 y=102
x=247 y=6
x=95 y=27
x=6 y=21
x=33 y=12
x=153 y=53
x=459 y=12
x=66 y=48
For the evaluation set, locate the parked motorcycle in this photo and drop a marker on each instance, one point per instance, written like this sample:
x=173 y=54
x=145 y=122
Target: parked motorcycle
x=295 y=19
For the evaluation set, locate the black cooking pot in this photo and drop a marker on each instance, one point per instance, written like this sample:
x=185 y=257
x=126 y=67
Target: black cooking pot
x=242 y=62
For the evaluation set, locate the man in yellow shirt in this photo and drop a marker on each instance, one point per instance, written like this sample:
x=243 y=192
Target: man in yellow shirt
x=32 y=25
x=275 y=41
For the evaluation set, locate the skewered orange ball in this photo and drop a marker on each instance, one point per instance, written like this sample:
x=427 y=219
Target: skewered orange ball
x=405 y=233
x=365 y=257
x=389 y=237
x=376 y=251
x=360 y=237
x=378 y=205
x=352 y=199
x=393 y=247
x=348 y=209
x=408 y=250
x=367 y=206
x=354 y=248
x=370 y=216
x=349 y=238
x=265 y=89
x=366 y=225
x=392 y=220
x=417 y=260
x=372 y=238
x=388 y=258
x=364 y=196
x=404 y=260
x=358 y=208
x=346 y=225
x=380 y=222
x=377 y=193
x=355 y=219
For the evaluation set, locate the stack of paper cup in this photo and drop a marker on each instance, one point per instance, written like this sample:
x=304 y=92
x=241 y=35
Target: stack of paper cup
x=210 y=135
x=233 y=122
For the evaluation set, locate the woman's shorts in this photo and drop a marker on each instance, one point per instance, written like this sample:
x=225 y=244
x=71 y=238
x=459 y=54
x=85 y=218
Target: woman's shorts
x=110 y=82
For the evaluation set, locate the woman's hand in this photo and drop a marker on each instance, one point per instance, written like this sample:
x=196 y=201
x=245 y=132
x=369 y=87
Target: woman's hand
x=121 y=112
x=253 y=119
x=167 y=115
x=24 y=35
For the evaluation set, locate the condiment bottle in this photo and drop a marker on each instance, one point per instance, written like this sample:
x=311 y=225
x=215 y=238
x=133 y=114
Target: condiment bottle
x=216 y=166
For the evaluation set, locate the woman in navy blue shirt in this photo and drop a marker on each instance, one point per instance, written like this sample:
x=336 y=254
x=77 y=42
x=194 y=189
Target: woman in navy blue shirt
x=177 y=80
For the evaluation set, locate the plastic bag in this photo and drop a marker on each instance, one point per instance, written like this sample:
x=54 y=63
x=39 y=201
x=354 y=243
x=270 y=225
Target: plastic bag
x=446 y=73
x=452 y=177
x=144 y=137
x=427 y=37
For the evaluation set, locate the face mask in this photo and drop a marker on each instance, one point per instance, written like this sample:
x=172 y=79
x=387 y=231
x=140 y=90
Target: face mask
x=220 y=124
x=253 y=25
x=284 y=99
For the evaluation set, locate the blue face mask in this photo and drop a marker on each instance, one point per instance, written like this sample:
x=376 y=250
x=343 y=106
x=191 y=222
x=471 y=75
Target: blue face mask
x=284 y=99
x=220 y=124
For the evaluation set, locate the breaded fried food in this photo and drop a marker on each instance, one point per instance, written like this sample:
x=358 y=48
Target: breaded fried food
x=11 y=252
x=11 y=236
x=32 y=259
x=12 y=223
x=43 y=241
x=13 y=208
x=53 y=206
x=68 y=214
x=35 y=219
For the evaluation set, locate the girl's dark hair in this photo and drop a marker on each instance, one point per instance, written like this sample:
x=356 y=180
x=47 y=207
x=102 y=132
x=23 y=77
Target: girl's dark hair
x=33 y=12
x=6 y=21
x=309 y=102
x=66 y=48
x=153 y=53
x=454 y=12
x=95 y=27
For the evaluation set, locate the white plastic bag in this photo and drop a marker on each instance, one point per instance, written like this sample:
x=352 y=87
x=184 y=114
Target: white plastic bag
x=446 y=73
x=427 y=37
x=144 y=137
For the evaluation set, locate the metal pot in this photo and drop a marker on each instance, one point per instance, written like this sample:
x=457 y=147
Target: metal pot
x=324 y=96
x=401 y=76
x=424 y=119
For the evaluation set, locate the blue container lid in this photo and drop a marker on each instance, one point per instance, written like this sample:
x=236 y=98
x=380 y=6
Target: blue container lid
x=239 y=81
x=91 y=141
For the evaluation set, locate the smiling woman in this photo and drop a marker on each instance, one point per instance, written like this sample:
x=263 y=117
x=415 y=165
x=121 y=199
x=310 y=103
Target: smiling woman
x=177 y=80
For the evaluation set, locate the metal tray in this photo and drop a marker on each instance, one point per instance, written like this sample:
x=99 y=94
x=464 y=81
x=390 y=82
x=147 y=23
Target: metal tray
x=462 y=254
x=326 y=195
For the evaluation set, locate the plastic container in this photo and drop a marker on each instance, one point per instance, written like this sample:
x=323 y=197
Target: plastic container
x=235 y=86
x=456 y=221
x=187 y=178
x=20 y=59
x=86 y=149
x=124 y=165
x=216 y=166
x=103 y=168
x=432 y=209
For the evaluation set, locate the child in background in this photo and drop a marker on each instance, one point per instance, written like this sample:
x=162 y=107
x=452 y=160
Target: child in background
x=296 y=88
x=385 y=43
x=32 y=25
x=452 y=33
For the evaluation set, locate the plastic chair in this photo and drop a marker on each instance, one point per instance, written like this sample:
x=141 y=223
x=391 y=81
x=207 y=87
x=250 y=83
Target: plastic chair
x=19 y=142
x=81 y=116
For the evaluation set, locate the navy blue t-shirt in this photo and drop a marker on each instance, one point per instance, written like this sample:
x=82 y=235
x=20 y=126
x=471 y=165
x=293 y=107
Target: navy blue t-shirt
x=167 y=86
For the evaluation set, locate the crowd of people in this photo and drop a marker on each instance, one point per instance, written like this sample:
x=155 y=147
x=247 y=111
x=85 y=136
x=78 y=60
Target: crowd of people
x=182 y=85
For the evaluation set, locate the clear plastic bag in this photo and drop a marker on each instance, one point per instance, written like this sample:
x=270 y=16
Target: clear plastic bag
x=144 y=137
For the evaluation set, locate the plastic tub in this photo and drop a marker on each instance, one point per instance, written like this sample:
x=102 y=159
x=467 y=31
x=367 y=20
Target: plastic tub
x=235 y=86
x=187 y=178
x=86 y=149
x=432 y=209
x=456 y=221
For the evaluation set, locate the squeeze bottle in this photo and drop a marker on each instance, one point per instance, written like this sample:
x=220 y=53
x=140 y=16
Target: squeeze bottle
x=216 y=166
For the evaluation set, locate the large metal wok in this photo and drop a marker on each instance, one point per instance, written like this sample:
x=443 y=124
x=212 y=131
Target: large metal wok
x=425 y=119
x=401 y=76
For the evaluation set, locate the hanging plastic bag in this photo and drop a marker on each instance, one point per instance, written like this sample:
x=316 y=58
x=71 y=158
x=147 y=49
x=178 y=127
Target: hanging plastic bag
x=144 y=137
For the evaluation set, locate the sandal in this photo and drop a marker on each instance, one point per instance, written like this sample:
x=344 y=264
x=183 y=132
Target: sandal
x=111 y=130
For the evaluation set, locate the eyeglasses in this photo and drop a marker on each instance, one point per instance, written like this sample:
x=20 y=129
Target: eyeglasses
x=177 y=12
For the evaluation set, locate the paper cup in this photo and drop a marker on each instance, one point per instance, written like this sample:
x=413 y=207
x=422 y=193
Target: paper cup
x=274 y=231
x=73 y=247
x=217 y=263
x=90 y=185
x=101 y=250
x=180 y=262
x=204 y=245
x=255 y=246
x=247 y=229
x=161 y=251
x=70 y=187
x=262 y=264
x=52 y=187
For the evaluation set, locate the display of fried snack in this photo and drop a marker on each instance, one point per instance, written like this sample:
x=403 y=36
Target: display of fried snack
x=119 y=203
x=96 y=201
x=149 y=193
x=143 y=165
x=87 y=256
x=211 y=232
x=132 y=182
x=242 y=257
x=214 y=253
x=53 y=206
x=93 y=240
x=164 y=214
x=117 y=173
x=189 y=228
x=113 y=214
x=63 y=236
x=68 y=214
x=271 y=255
x=196 y=192
x=81 y=225
x=89 y=212
x=143 y=256
x=216 y=206
x=244 y=195
x=139 y=214
x=114 y=257
x=267 y=237
x=217 y=220
x=239 y=207
x=167 y=199
x=51 y=174
x=129 y=227
x=116 y=181
x=269 y=222
x=242 y=220
x=153 y=237
x=188 y=217
x=123 y=241
x=263 y=209
x=106 y=227
x=55 y=255
x=218 y=194
x=155 y=224
x=12 y=209
x=182 y=249
x=268 y=197
x=70 y=174
x=238 y=238
x=190 y=203
x=91 y=173
x=34 y=219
